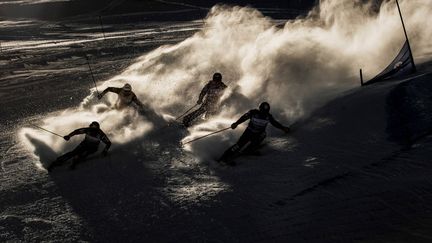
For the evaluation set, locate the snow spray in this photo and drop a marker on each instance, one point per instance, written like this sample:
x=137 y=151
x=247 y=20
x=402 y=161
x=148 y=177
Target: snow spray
x=295 y=67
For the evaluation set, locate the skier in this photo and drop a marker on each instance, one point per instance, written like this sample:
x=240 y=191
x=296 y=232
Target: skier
x=213 y=90
x=90 y=144
x=254 y=133
x=125 y=96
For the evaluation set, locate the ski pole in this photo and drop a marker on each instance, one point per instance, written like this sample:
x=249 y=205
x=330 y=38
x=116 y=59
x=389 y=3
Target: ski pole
x=186 y=112
x=193 y=140
x=47 y=130
x=91 y=71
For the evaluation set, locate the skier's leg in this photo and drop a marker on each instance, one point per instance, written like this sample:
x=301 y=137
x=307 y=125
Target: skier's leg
x=65 y=157
x=211 y=110
x=81 y=156
x=243 y=140
x=193 y=115
x=256 y=141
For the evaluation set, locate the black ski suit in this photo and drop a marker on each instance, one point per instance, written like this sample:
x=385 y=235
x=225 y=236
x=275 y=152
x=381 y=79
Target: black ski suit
x=254 y=133
x=88 y=146
x=212 y=91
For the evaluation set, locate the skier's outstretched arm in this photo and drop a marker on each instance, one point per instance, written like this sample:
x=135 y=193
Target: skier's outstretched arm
x=224 y=86
x=203 y=93
x=242 y=119
x=109 y=89
x=75 y=132
x=278 y=125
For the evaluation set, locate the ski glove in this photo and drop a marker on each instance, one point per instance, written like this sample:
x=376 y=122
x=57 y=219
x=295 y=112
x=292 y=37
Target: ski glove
x=66 y=138
x=199 y=102
x=234 y=125
x=99 y=96
x=286 y=129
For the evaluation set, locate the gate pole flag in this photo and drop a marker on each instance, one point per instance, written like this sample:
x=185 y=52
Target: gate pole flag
x=406 y=36
x=403 y=63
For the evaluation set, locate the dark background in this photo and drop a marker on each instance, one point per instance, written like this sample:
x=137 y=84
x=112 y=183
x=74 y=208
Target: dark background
x=175 y=9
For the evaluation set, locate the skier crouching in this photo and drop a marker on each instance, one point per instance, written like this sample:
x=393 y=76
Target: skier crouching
x=125 y=97
x=212 y=92
x=90 y=145
x=254 y=133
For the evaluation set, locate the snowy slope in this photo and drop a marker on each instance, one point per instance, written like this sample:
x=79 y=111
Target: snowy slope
x=336 y=178
x=345 y=173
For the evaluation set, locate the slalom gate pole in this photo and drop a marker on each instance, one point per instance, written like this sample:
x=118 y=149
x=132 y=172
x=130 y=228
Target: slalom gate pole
x=406 y=35
x=186 y=112
x=43 y=129
x=208 y=135
x=102 y=27
x=91 y=71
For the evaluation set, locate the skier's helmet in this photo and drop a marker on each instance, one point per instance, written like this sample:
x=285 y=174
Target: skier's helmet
x=264 y=107
x=217 y=77
x=94 y=124
x=127 y=88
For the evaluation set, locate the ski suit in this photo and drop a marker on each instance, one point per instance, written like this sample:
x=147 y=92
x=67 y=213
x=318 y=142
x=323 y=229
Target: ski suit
x=88 y=146
x=212 y=92
x=254 y=133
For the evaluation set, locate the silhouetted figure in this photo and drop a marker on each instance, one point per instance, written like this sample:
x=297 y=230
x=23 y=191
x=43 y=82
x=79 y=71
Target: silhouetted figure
x=125 y=96
x=212 y=92
x=254 y=133
x=90 y=145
